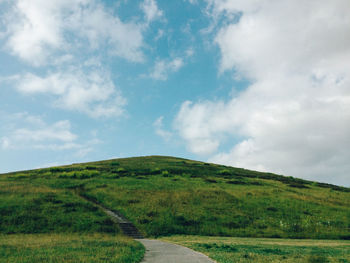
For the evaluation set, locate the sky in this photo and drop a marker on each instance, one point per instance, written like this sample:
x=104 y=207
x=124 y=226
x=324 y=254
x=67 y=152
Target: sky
x=260 y=84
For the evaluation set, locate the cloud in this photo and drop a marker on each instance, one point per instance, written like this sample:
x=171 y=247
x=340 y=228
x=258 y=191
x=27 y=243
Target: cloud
x=193 y=2
x=158 y=126
x=34 y=28
x=38 y=29
x=162 y=68
x=189 y=52
x=92 y=92
x=5 y=143
x=160 y=34
x=151 y=10
x=22 y=130
x=195 y=123
x=294 y=118
x=105 y=30
x=59 y=131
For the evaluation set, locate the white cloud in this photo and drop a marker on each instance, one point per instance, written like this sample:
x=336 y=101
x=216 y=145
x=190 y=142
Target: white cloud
x=160 y=131
x=5 y=143
x=162 y=68
x=105 y=30
x=295 y=116
x=92 y=93
x=59 y=131
x=35 y=27
x=193 y=2
x=189 y=52
x=229 y=7
x=38 y=29
x=22 y=130
x=195 y=124
x=159 y=35
x=151 y=10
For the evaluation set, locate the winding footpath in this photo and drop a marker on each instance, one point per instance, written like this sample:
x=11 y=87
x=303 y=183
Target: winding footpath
x=163 y=252
x=156 y=251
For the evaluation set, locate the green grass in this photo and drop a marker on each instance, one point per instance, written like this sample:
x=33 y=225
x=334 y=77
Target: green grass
x=163 y=196
x=65 y=247
x=244 y=250
x=29 y=207
x=75 y=230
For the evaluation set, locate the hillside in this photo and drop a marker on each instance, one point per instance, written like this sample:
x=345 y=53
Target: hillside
x=163 y=196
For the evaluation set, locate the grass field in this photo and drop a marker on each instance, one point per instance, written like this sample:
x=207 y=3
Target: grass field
x=50 y=213
x=244 y=250
x=50 y=248
x=165 y=196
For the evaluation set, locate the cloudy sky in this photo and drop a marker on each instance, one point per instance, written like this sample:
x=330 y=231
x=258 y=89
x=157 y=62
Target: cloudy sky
x=260 y=84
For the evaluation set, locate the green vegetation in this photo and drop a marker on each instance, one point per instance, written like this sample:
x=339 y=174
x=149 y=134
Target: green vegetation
x=234 y=250
x=163 y=196
x=69 y=248
x=27 y=206
x=76 y=231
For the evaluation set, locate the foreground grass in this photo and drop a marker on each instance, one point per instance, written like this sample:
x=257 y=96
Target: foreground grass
x=244 y=250
x=33 y=248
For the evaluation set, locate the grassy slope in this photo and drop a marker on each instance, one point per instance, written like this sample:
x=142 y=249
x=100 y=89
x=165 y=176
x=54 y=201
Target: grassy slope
x=244 y=250
x=27 y=206
x=75 y=230
x=165 y=196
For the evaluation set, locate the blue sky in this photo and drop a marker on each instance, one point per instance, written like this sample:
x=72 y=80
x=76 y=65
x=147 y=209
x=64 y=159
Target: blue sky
x=262 y=84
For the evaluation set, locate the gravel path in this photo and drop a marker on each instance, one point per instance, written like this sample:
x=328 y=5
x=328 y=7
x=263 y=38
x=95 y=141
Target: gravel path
x=163 y=252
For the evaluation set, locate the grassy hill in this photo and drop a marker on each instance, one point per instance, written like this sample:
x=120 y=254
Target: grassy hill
x=163 y=196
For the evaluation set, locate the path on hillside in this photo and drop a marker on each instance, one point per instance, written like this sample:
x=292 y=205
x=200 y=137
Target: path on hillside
x=164 y=252
x=156 y=251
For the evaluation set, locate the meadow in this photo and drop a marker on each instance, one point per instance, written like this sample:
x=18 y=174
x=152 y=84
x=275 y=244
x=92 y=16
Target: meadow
x=166 y=196
x=261 y=250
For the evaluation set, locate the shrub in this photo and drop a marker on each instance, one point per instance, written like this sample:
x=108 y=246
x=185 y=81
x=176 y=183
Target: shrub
x=67 y=175
x=120 y=171
x=209 y=180
x=155 y=171
x=297 y=185
x=224 y=172
x=165 y=173
x=79 y=174
x=236 y=182
x=317 y=259
x=86 y=174
x=272 y=209
x=91 y=168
